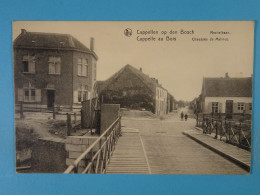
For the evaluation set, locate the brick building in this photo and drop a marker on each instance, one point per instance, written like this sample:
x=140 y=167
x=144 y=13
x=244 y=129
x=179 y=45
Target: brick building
x=53 y=68
x=133 y=89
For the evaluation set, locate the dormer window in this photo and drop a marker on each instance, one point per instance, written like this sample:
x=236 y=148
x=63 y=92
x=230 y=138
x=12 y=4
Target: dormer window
x=28 y=64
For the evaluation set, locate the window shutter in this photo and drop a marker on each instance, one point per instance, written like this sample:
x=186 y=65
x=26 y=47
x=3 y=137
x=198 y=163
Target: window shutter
x=38 y=95
x=209 y=110
x=50 y=67
x=32 y=67
x=79 y=70
x=235 y=110
x=220 y=107
x=75 y=96
x=89 y=95
x=247 y=108
x=20 y=95
x=58 y=67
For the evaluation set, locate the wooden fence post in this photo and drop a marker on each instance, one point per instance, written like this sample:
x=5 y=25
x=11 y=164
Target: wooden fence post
x=54 y=114
x=75 y=117
x=68 y=124
x=81 y=118
x=197 y=121
x=229 y=128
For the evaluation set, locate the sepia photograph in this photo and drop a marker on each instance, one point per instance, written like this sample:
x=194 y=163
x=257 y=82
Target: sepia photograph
x=133 y=97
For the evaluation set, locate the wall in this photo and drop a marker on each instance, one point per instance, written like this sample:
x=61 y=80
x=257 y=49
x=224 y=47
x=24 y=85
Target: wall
x=62 y=83
x=222 y=100
x=109 y=113
x=161 y=101
x=82 y=80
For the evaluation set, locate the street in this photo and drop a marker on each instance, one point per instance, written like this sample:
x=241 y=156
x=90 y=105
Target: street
x=168 y=151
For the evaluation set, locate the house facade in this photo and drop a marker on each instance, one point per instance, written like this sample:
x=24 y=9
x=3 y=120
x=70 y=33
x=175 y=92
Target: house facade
x=133 y=89
x=161 y=101
x=226 y=95
x=52 y=69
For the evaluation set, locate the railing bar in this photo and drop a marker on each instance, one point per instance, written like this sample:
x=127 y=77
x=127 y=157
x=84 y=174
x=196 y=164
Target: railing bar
x=92 y=145
x=103 y=157
x=69 y=169
x=86 y=169
x=97 y=165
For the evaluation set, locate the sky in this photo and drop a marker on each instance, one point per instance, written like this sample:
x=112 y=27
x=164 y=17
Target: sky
x=179 y=64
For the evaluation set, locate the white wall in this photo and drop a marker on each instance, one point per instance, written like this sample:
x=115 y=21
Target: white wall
x=161 y=101
x=222 y=100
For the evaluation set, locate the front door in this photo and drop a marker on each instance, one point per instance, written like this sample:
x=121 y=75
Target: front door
x=50 y=98
x=229 y=107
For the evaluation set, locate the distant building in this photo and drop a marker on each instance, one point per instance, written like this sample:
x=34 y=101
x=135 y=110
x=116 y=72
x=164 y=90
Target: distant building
x=53 y=68
x=226 y=95
x=133 y=89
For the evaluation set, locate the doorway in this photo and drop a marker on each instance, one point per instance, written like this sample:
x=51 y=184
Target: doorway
x=229 y=108
x=50 y=98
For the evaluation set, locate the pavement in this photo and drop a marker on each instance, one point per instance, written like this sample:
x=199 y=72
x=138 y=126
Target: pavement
x=237 y=155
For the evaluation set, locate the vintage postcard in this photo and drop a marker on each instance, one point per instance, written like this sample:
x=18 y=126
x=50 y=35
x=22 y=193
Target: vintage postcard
x=162 y=97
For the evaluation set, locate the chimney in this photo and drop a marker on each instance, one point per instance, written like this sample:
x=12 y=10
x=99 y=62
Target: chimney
x=141 y=69
x=92 y=44
x=23 y=31
x=226 y=75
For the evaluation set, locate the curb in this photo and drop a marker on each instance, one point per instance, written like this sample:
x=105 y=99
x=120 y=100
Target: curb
x=228 y=157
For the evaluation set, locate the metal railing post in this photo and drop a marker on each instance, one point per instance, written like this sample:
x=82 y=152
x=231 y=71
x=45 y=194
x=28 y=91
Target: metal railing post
x=68 y=124
x=96 y=161
x=239 y=135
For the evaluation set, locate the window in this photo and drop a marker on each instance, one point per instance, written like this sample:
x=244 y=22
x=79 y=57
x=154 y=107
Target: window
x=82 y=93
x=250 y=106
x=26 y=94
x=240 y=106
x=29 y=93
x=54 y=65
x=28 y=64
x=215 y=107
x=33 y=94
x=82 y=67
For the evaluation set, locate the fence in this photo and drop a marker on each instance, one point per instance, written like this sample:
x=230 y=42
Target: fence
x=96 y=161
x=232 y=131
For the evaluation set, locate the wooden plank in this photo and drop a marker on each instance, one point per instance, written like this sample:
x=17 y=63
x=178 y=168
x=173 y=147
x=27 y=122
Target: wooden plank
x=128 y=157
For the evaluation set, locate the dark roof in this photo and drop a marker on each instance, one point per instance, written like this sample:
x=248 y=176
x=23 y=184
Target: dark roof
x=50 y=41
x=150 y=82
x=227 y=87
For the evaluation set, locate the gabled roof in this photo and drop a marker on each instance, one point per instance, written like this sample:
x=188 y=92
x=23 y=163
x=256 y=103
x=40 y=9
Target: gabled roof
x=227 y=87
x=149 y=82
x=49 y=41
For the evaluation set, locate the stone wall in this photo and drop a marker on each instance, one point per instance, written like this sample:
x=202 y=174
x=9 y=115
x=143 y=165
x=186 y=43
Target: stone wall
x=76 y=145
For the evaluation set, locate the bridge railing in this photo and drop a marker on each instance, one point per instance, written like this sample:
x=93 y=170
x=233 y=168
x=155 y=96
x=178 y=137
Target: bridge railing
x=232 y=131
x=98 y=155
